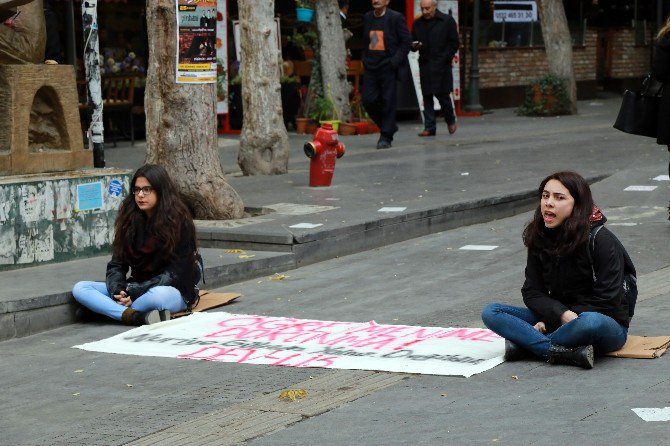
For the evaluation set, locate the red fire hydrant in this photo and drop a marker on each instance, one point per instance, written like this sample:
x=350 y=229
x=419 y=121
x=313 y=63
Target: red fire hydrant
x=323 y=152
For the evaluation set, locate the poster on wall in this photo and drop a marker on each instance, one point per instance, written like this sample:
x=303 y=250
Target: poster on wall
x=221 y=59
x=196 y=42
x=449 y=7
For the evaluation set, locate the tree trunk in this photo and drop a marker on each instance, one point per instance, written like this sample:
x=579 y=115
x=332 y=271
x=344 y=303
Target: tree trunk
x=333 y=56
x=558 y=44
x=181 y=124
x=264 y=142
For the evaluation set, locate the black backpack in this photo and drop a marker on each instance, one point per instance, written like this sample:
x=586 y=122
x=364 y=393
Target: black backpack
x=629 y=274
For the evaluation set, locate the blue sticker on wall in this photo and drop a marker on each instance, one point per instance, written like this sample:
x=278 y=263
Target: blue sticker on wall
x=89 y=196
x=115 y=188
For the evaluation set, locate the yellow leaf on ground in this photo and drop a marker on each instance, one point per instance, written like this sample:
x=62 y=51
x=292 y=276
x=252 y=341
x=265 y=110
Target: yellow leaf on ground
x=247 y=256
x=292 y=394
x=278 y=276
x=233 y=251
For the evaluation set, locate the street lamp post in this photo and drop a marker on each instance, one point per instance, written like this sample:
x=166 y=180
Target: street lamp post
x=473 y=105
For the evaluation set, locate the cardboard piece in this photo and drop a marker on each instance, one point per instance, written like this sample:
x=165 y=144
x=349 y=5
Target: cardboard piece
x=209 y=300
x=643 y=347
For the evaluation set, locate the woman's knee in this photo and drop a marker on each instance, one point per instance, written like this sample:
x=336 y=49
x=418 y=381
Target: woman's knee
x=80 y=288
x=591 y=321
x=490 y=311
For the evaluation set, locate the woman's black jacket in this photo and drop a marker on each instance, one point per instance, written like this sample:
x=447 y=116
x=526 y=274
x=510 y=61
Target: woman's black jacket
x=148 y=268
x=556 y=284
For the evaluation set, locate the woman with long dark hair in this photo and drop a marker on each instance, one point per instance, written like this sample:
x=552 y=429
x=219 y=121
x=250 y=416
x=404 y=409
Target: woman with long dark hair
x=574 y=291
x=155 y=240
x=661 y=71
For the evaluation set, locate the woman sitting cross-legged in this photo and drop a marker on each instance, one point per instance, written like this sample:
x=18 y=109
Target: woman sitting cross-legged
x=574 y=290
x=154 y=239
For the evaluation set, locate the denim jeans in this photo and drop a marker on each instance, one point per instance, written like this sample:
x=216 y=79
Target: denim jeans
x=590 y=328
x=96 y=297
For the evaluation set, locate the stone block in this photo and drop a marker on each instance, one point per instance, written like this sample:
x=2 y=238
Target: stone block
x=40 y=129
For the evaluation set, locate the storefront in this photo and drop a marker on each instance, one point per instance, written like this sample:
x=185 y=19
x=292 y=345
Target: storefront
x=612 y=43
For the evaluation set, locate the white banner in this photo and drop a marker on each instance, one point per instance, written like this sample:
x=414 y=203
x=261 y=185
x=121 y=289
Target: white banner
x=249 y=339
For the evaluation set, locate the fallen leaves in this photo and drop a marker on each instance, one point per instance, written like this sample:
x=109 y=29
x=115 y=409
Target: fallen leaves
x=277 y=276
x=292 y=395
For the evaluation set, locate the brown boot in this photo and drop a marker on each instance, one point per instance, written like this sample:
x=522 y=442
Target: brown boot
x=134 y=317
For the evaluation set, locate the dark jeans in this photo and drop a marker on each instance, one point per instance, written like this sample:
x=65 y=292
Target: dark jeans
x=380 y=98
x=590 y=328
x=429 y=110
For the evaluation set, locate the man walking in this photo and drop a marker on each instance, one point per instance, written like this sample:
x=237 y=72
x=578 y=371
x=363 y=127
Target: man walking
x=435 y=36
x=386 y=43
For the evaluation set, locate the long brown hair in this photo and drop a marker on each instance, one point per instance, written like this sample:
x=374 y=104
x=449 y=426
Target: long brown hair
x=664 y=30
x=167 y=223
x=575 y=229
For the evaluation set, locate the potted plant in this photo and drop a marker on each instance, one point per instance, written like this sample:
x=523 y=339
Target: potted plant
x=546 y=96
x=324 y=110
x=304 y=10
x=302 y=121
x=305 y=41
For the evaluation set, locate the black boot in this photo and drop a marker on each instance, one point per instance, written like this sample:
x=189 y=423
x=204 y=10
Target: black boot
x=579 y=356
x=515 y=353
x=134 y=317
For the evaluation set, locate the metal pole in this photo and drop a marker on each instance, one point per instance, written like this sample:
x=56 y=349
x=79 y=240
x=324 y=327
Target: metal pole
x=70 y=46
x=89 y=19
x=473 y=105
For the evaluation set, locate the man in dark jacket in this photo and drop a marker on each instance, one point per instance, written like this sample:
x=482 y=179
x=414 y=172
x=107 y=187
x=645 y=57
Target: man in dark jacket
x=435 y=36
x=386 y=43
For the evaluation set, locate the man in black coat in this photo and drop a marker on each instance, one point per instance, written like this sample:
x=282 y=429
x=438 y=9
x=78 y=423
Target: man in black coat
x=435 y=36
x=386 y=43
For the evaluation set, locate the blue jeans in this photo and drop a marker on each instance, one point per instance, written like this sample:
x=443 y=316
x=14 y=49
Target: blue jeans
x=96 y=297
x=590 y=328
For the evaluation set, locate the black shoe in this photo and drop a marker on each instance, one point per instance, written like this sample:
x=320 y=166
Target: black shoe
x=579 y=356
x=383 y=143
x=515 y=353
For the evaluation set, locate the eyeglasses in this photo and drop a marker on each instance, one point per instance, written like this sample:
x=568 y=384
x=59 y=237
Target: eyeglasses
x=146 y=190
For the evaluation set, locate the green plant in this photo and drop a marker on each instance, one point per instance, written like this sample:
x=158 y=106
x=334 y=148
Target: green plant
x=546 y=96
x=322 y=109
x=304 y=40
x=237 y=80
x=307 y=4
x=289 y=79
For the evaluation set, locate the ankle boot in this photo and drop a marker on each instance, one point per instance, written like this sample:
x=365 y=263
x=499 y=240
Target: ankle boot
x=134 y=317
x=579 y=356
x=515 y=353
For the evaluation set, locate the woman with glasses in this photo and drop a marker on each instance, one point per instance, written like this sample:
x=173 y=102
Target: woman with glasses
x=155 y=241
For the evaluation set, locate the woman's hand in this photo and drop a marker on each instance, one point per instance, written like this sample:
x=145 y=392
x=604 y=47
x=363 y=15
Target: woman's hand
x=123 y=299
x=540 y=327
x=568 y=316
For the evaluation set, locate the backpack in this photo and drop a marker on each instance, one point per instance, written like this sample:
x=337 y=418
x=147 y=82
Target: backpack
x=629 y=274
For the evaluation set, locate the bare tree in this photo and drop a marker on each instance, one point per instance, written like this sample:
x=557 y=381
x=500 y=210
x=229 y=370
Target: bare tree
x=181 y=124
x=264 y=145
x=558 y=44
x=333 y=55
